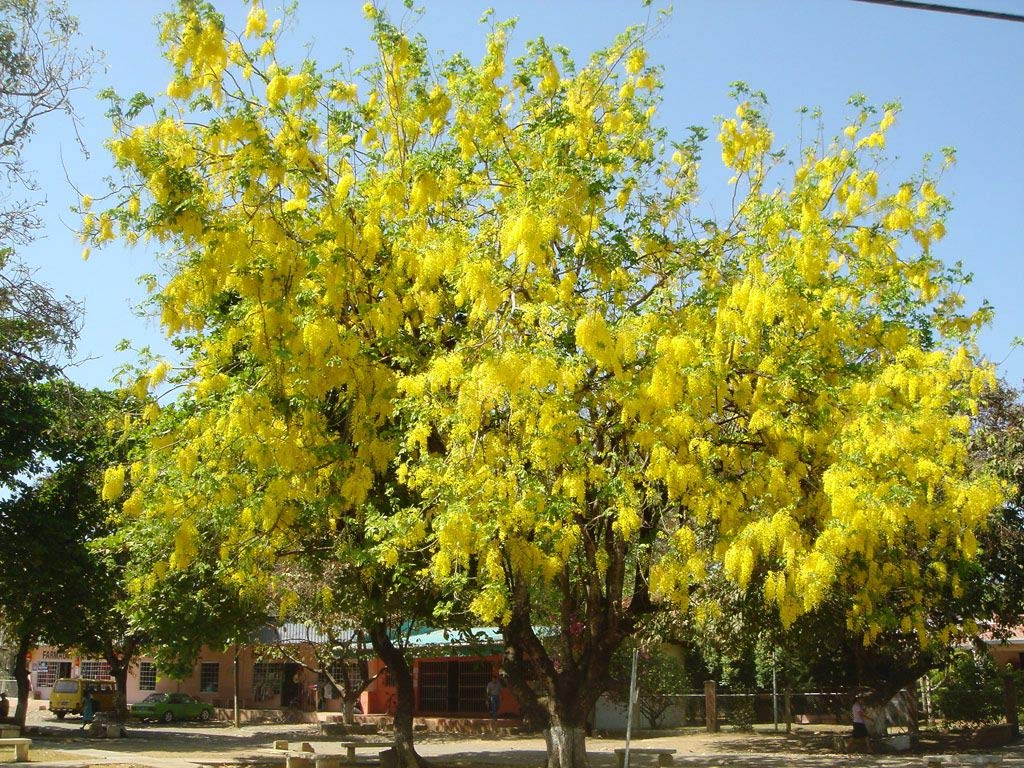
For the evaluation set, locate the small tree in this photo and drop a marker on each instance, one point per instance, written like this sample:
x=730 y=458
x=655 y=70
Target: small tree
x=661 y=680
x=47 y=568
x=334 y=636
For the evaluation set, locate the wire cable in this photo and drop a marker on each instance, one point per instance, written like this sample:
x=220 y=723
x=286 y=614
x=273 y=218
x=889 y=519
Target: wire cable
x=955 y=9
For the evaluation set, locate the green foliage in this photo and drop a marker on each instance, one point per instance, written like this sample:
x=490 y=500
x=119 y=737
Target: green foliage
x=739 y=711
x=188 y=609
x=35 y=330
x=994 y=592
x=46 y=567
x=970 y=691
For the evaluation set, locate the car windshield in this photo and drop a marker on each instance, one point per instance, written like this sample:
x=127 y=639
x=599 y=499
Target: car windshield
x=154 y=697
x=65 y=686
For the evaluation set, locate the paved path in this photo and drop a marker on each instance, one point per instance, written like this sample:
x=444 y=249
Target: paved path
x=193 y=745
x=508 y=751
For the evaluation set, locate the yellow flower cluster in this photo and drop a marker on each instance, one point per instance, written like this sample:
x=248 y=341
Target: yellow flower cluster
x=486 y=288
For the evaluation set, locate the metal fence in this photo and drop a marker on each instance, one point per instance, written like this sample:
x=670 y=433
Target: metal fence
x=952 y=705
x=760 y=707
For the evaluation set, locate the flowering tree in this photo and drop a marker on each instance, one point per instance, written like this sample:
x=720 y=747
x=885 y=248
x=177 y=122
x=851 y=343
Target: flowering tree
x=472 y=312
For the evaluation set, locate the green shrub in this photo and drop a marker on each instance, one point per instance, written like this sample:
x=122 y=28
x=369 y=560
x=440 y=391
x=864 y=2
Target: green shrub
x=970 y=692
x=740 y=712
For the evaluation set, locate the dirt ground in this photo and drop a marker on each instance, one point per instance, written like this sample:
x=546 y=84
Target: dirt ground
x=193 y=745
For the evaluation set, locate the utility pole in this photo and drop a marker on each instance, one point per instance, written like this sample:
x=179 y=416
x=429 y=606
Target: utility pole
x=629 y=707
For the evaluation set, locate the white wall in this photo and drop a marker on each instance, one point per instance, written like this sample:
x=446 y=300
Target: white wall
x=610 y=715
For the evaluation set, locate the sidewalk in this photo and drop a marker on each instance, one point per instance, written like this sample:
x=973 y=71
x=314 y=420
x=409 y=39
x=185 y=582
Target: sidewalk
x=511 y=752
x=194 y=745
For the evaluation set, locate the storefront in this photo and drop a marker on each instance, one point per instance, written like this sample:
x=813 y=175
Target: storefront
x=47 y=665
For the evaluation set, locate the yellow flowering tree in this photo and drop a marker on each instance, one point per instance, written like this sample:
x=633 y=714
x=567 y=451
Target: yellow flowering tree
x=473 y=312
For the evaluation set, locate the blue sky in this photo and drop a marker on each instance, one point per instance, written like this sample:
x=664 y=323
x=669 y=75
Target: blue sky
x=960 y=80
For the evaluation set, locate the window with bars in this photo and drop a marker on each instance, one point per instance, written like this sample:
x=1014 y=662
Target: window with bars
x=342 y=670
x=453 y=685
x=147 y=676
x=95 y=669
x=209 y=677
x=266 y=680
x=45 y=678
x=473 y=678
x=433 y=686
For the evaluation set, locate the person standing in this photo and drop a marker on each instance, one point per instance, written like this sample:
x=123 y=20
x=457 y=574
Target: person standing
x=5 y=706
x=88 y=709
x=860 y=728
x=494 y=697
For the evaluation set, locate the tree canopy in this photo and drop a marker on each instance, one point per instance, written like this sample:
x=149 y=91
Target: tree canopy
x=476 y=312
x=40 y=69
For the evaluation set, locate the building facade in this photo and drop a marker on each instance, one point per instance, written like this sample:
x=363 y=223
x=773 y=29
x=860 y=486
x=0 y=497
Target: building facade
x=448 y=682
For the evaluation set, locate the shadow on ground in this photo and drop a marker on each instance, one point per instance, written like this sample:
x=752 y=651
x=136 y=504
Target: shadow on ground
x=150 y=739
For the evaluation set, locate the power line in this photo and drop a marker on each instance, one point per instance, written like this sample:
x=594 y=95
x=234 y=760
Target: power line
x=976 y=12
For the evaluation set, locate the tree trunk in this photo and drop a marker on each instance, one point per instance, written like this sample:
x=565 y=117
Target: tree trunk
x=566 y=692
x=567 y=745
x=875 y=719
x=21 y=674
x=1010 y=702
x=348 y=708
x=120 y=663
x=121 y=701
x=401 y=676
x=514 y=667
x=594 y=619
x=119 y=671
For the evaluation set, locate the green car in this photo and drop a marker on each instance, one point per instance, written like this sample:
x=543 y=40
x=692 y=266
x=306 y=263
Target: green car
x=170 y=707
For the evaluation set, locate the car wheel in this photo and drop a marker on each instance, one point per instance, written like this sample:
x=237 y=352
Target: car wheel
x=168 y=717
x=60 y=715
x=204 y=715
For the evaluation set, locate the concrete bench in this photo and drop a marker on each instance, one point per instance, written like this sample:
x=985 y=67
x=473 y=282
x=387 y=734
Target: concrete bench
x=9 y=732
x=352 y=746
x=299 y=759
x=306 y=756
x=20 y=748
x=664 y=755
x=984 y=761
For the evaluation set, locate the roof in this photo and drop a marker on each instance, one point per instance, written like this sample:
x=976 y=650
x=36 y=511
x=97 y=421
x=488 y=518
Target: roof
x=293 y=633
x=473 y=636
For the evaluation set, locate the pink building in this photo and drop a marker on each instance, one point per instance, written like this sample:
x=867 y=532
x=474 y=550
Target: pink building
x=449 y=680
